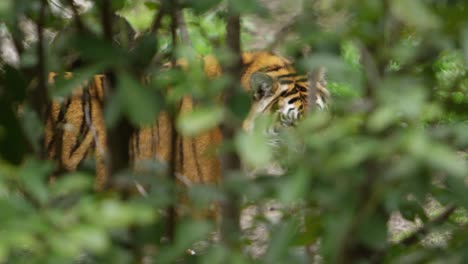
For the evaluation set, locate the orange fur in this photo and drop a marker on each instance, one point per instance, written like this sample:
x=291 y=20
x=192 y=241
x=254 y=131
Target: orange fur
x=75 y=127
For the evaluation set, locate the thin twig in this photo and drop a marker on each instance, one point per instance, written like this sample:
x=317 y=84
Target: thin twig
x=417 y=235
x=156 y=24
x=424 y=230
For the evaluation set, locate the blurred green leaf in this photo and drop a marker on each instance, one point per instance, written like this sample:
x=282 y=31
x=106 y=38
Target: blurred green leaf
x=6 y=8
x=202 y=6
x=97 y=50
x=248 y=6
x=281 y=240
x=139 y=103
x=373 y=231
x=33 y=175
x=199 y=120
x=415 y=13
x=72 y=182
x=152 y=5
x=247 y=142
x=64 y=86
x=188 y=232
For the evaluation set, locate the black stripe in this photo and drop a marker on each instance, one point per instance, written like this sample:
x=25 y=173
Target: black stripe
x=85 y=98
x=181 y=153
x=195 y=157
x=290 y=92
x=63 y=111
x=301 y=88
x=286 y=81
x=101 y=99
x=271 y=68
x=293 y=100
x=286 y=75
x=137 y=143
x=302 y=79
x=271 y=102
x=60 y=118
x=181 y=143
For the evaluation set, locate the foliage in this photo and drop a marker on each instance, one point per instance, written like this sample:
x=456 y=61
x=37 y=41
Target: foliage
x=393 y=139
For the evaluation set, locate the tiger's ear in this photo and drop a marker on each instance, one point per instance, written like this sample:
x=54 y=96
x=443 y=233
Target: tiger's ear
x=261 y=85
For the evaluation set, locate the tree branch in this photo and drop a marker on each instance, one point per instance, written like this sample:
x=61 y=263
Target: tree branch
x=229 y=159
x=156 y=24
x=171 y=209
x=39 y=96
x=118 y=136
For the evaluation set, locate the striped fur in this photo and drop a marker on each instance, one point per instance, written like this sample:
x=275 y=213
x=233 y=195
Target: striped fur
x=75 y=127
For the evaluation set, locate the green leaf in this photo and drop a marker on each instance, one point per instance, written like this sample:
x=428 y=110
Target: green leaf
x=295 y=186
x=6 y=8
x=373 y=231
x=72 y=182
x=143 y=53
x=97 y=50
x=281 y=240
x=202 y=6
x=139 y=103
x=382 y=118
x=199 y=120
x=248 y=6
x=152 y=5
x=33 y=174
x=415 y=13
x=111 y=213
x=64 y=86
x=90 y=238
x=254 y=148
x=188 y=233
x=15 y=83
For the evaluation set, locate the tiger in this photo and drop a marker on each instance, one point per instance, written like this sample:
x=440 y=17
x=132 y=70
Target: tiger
x=272 y=81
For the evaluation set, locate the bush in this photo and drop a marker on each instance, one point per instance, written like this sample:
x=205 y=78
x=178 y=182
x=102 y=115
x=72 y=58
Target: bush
x=393 y=139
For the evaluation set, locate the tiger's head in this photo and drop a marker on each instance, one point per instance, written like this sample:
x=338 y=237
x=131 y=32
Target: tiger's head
x=278 y=90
